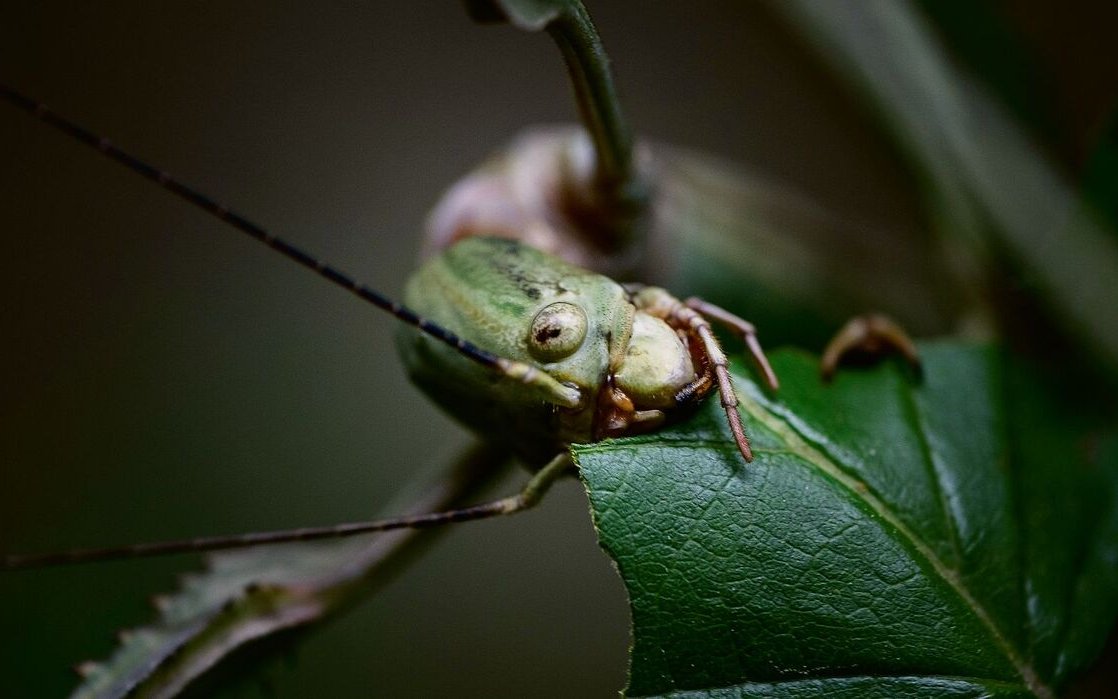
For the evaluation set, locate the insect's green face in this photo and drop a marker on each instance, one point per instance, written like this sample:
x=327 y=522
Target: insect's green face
x=524 y=305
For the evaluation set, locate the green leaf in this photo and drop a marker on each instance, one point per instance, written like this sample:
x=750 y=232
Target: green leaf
x=894 y=537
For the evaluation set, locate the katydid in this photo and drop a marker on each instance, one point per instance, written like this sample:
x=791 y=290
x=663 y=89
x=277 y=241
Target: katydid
x=578 y=357
x=528 y=446
x=512 y=342
x=383 y=429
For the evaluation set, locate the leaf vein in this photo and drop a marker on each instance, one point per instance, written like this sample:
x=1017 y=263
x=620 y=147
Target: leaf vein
x=795 y=434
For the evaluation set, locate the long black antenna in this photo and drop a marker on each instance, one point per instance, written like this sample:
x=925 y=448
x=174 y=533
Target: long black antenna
x=203 y=202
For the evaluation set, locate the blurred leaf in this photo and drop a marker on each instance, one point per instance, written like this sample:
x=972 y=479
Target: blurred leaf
x=1100 y=181
x=979 y=36
x=987 y=185
x=943 y=538
x=797 y=270
x=247 y=595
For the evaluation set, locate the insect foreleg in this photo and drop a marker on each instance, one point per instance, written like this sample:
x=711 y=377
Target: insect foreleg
x=744 y=329
x=528 y=497
x=726 y=393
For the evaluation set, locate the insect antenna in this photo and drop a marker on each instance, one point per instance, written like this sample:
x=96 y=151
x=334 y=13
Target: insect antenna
x=254 y=231
x=548 y=387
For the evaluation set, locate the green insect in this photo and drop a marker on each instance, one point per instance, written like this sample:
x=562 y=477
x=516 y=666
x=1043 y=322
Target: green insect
x=526 y=349
x=602 y=359
x=518 y=345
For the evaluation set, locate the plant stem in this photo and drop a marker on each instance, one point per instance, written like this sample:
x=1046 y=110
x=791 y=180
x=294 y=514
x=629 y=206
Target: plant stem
x=588 y=65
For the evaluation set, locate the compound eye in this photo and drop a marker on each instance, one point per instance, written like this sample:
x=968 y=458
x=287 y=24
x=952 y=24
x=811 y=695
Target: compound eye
x=557 y=332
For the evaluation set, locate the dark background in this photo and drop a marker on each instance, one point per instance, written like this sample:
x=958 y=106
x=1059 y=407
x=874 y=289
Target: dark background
x=162 y=376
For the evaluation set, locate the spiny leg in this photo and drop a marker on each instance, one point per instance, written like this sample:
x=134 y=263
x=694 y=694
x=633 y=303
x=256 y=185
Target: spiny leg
x=726 y=393
x=744 y=329
x=873 y=334
x=527 y=498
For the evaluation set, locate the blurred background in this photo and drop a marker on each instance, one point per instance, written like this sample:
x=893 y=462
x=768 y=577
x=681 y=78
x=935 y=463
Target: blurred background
x=162 y=376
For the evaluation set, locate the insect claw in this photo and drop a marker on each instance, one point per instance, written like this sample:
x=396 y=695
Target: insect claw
x=728 y=398
x=872 y=335
x=738 y=431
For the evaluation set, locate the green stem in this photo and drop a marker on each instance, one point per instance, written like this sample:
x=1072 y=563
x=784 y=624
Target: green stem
x=588 y=65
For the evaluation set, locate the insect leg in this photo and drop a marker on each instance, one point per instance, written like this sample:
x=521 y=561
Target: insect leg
x=722 y=375
x=744 y=329
x=678 y=314
x=527 y=498
x=873 y=334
